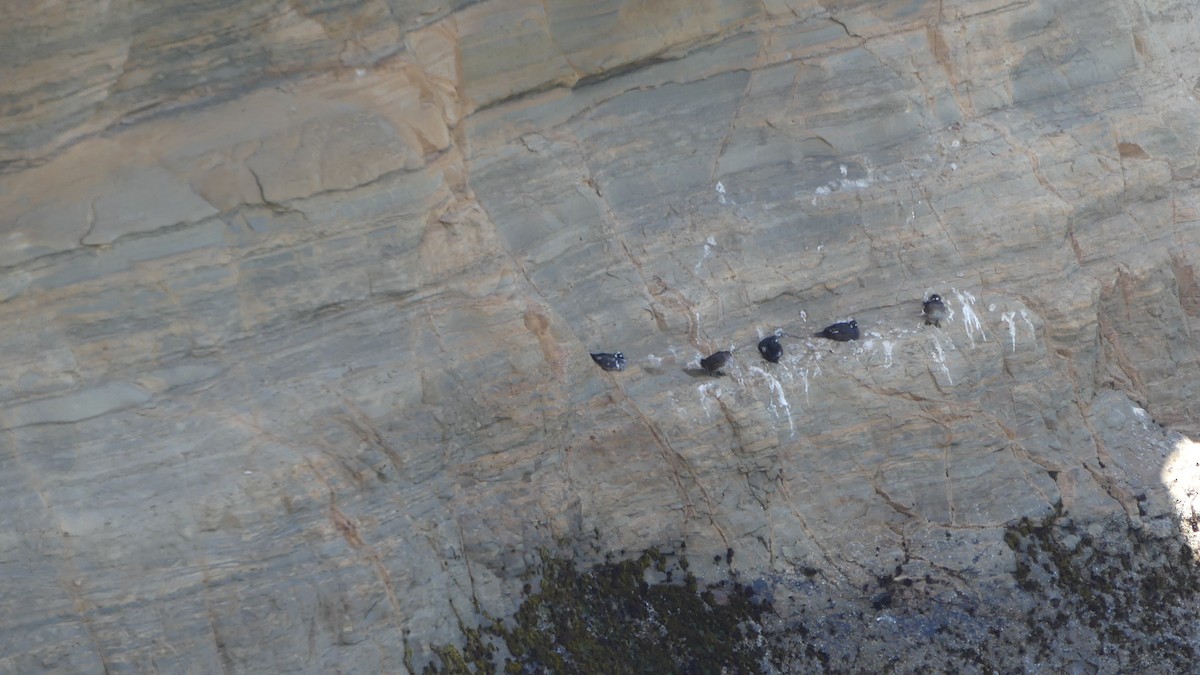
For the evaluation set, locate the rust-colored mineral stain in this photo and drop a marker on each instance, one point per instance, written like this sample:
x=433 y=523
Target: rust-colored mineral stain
x=537 y=323
x=1131 y=151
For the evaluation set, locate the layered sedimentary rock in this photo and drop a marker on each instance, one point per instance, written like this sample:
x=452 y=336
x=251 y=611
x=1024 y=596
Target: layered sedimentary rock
x=297 y=303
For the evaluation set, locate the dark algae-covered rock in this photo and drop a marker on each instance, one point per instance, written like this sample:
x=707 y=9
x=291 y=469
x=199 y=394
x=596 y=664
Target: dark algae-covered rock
x=1120 y=594
x=612 y=619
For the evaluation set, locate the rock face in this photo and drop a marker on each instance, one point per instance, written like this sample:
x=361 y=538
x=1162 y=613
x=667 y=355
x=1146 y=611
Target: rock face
x=297 y=301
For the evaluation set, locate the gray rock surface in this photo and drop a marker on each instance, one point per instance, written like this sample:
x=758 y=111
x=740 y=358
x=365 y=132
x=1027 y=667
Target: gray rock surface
x=296 y=302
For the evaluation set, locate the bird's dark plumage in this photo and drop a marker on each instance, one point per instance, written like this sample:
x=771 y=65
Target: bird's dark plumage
x=770 y=348
x=715 y=362
x=843 y=331
x=613 y=361
x=934 y=310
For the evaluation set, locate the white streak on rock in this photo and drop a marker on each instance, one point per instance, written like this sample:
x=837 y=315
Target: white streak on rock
x=779 y=401
x=708 y=392
x=709 y=244
x=940 y=357
x=971 y=322
x=1008 y=318
x=1025 y=318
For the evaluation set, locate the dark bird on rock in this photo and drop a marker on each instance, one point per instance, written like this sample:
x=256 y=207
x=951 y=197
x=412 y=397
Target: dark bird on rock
x=843 y=331
x=934 y=310
x=770 y=348
x=613 y=361
x=715 y=362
